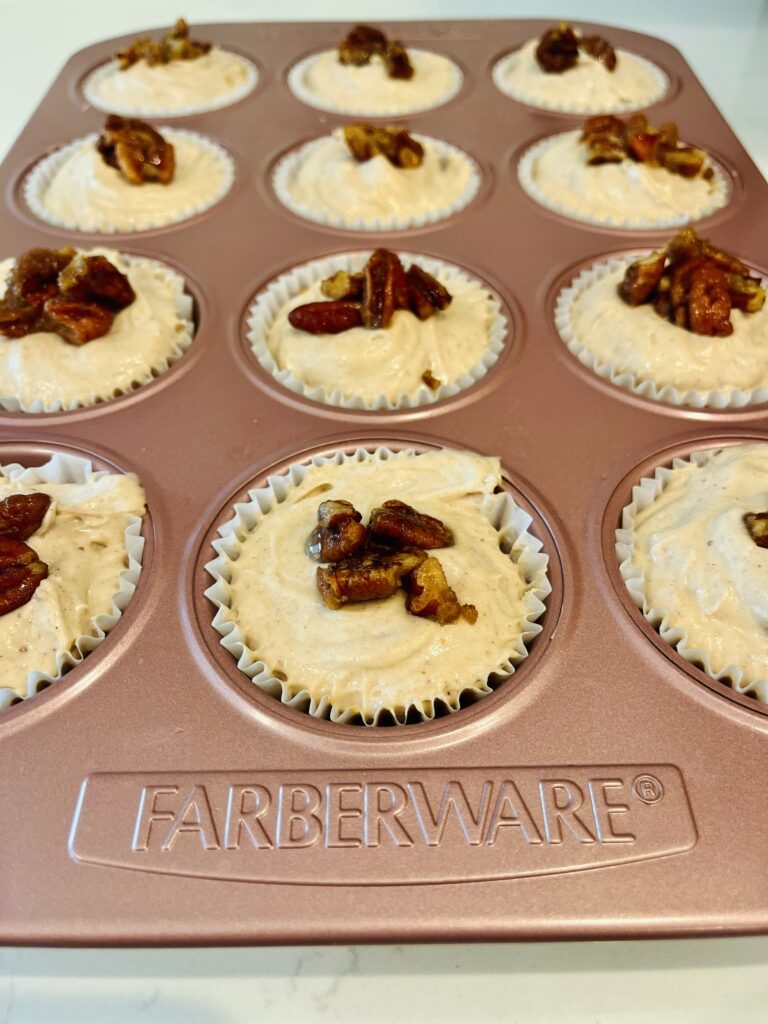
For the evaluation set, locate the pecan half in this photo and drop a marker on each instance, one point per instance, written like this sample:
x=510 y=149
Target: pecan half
x=34 y=276
x=697 y=298
x=339 y=534
x=757 y=526
x=366 y=141
x=75 y=321
x=642 y=279
x=326 y=317
x=361 y=43
x=397 y=62
x=343 y=285
x=430 y=597
x=558 y=49
x=94 y=278
x=426 y=295
x=600 y=49
x=385 y=289
x=368 y=578
x=395 y=523
x=21 y=573
x=22 y=514
x=136 y=150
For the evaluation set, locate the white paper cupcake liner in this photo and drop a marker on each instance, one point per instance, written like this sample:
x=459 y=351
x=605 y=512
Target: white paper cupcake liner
x=507 y=517
x=38 y=181
x=269 y=303
x=299 y=88
x=575 y=105
x=180 y=342
x=93 y=81
x=286 y=167
x=720 y=196
x=644 y=494
x=74 y=470
x=714 y=399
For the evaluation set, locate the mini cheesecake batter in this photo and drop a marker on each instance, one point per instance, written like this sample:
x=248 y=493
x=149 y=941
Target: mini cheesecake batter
x=143 y=339
x=699 y=564
x=376 y=655
x=82 y=540
x=325 y=183
x=325 y=82
x=588 y=88
x=143 y=90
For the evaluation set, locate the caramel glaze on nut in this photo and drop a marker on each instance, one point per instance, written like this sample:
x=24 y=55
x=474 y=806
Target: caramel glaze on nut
x=610 y=140
x=558 y=49
x=137 y=150
x=175 y=45
x=21 y=571
x=363 y=42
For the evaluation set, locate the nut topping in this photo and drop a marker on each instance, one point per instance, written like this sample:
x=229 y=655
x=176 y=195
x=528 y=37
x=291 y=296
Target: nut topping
x=694 y=285
x=364 y=42
x=343 y=286
x=558 y=49
x=366 y=141
x=326 y=317
x=610 y=140
x=21 y=573
x=757 y=526
x=67 y=293
x=431 y=381
x=339 y=534
x=175 y=45
x=136 y=150
x=385 y=289
x=430 y=597
x=425 y=293
x=400 y=524
x=369 y=578
x=22 y=514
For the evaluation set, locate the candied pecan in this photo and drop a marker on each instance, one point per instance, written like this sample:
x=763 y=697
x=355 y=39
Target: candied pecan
x=22 y=514
x=757 y=526
x=361 y=44
x=558 y=49
x=368 y=578
x=600 y=49
x=395 y=523
x=136 y=150
x=397 y=62
x=642 y=141
x=605 y=138
x=747 y=293
x=432 y=382
x=34 y=276
x=425 y=293
x=430 y=597
x=699 y=299
x=343 y=285
x=642 y=279
x=685 y=160
x=76 y=321
x=326 y=317
x=17 y=320
x=339 y=533
x=21 y=572
x=175 y=45
x=366 y=141
x=385 y=289
x=94 y=278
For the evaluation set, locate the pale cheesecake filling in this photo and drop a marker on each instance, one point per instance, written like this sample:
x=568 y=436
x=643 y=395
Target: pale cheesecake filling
x=143 y=339
x=205 y=83
x=375 y=655
x=390 y=361
x=636 y=340
x=588 y=87
x=699 y=565
x=324 y=182
x=84 y=193
x=82 y=540
x=325 y=82
x=625 y=193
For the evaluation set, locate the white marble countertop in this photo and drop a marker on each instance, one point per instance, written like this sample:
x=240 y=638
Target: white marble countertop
x=705 y=981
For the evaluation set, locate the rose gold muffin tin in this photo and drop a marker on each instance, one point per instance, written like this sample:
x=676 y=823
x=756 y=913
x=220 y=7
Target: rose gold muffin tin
x=608 y=788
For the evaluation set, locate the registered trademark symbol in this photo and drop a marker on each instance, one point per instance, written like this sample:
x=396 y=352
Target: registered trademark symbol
x=648 y=789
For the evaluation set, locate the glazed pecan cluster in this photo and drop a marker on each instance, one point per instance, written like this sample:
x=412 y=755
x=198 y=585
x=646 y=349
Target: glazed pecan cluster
x=64 y=292
x=366 y=141
x=610 y=140
x=370 y=298
x=364 y=42
x=694 y=285
x=757 y=527
x=175 y=45
x=21 y=571
x=558 y=49
x=136 y=150
x=369 y=563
